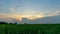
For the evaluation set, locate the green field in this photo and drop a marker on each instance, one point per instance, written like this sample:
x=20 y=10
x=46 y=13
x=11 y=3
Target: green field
x=29 y=28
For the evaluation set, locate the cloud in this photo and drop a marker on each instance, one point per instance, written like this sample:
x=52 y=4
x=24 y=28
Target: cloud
x=12 y=10
x=26 y=10
x=54 y=13
x=29 y=16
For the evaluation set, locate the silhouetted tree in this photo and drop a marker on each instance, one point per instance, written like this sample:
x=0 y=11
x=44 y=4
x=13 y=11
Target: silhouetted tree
x=15 y=22
x=10 y=23
x=3 y=23
x=25 y=22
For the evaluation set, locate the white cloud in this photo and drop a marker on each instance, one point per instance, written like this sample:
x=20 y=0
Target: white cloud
x=54 y=13
x=12 y=10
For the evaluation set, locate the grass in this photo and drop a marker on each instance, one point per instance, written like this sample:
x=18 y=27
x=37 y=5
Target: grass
x=29 y=28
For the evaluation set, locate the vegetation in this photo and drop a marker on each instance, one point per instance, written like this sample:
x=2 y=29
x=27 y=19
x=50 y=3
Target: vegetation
x=11 y=28
x=3 y=23
x=29 y=28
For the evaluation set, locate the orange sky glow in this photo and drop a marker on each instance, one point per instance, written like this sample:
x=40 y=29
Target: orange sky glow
x=19 y=17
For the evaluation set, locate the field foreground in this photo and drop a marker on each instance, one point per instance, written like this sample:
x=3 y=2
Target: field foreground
x=29 y=28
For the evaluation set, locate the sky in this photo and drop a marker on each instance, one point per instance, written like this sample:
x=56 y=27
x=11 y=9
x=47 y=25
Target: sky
x=30 y=9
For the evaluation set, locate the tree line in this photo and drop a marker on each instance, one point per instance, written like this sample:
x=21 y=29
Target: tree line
x=7 y=23
x=1 y=22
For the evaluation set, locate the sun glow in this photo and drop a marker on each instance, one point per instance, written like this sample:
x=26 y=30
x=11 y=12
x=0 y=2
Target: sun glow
x=15 y=16
x=19 y=17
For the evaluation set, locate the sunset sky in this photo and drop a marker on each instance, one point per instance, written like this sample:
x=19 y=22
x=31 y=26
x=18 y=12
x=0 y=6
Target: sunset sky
x=30 y=9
